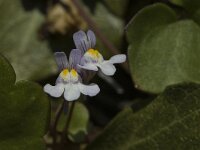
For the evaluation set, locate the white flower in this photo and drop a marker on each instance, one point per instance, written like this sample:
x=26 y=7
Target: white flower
x=69 y=80
x=92 y=59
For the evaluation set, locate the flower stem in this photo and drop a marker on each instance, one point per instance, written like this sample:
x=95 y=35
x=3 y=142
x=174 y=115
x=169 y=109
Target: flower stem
x=55 y=121
x=65 y=131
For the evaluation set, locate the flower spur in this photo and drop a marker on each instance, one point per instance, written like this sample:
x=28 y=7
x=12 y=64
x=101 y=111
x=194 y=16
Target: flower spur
x=69 y=80
x=92 y=59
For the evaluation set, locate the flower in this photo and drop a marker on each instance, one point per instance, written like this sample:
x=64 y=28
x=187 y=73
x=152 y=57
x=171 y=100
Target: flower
x=92 y=59
x=69 y=80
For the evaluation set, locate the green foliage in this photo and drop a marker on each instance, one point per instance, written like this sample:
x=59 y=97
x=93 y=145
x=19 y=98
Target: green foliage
x=78 y=127
x=118 y=7
x=20 y=41
x=24 y=110
x=162 y=50
x=171 y=121
x=191 y=6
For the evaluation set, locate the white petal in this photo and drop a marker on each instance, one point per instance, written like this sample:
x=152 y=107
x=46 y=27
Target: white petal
x=90 y=90
x=72 y=92
x=107 y=68
x=120 y=58
x=55 y=91
x=89 y=66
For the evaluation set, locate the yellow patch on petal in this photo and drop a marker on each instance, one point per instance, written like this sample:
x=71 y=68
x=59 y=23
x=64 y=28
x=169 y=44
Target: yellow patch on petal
x=64 y=74
x=93 y=53
x=74 y=73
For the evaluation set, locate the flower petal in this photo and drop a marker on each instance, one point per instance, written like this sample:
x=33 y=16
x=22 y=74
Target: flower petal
x=120 y=58
x=107 y=68
x=91 y=38
x=72 y=92
x=91 y=90
x=81 y=41
x=59 y=80
x=89 y=66
x=61 y=60
x=55 y=91
x=75 y=58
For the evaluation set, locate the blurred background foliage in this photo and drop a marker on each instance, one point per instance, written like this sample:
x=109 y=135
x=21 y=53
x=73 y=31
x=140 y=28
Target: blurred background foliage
x=148 y=104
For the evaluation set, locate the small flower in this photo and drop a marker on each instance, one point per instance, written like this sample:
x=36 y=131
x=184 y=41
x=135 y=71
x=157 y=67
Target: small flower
x=92 y=59
x=69 y=80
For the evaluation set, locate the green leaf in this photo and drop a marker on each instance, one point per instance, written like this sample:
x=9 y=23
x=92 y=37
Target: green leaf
x=24 y=111
x=192 y=7
x=19 y=41
x=162 y=50
x=78 y=127
x=177 y=2
x=117 y=7
x=80 y=119
x=171 y=121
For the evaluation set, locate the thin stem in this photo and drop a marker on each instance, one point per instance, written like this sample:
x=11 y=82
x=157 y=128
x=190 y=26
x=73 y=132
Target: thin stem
x=94 y=27
x=65 y=131
x=55 y=121
x=58 y=114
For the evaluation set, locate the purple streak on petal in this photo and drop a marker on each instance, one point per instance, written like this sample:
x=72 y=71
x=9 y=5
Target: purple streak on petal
x=75 y=58
x=91 y=38
x=81 y=41
x=61 y=60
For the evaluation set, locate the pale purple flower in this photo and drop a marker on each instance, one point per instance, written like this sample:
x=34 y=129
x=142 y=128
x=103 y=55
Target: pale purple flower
x=70 y=80
x=91 y=58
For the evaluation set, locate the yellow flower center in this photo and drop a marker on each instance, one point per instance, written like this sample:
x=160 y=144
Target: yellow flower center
x=69 y=75
x=64 y=74
x=94 y=53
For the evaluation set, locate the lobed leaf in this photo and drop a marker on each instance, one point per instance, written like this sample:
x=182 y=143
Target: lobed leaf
x=24 y=111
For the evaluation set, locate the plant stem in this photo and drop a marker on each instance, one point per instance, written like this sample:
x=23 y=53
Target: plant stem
x=55 y=121
x=65 y=131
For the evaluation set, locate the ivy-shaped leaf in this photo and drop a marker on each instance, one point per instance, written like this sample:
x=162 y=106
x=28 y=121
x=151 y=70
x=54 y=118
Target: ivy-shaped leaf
x=171 y=121
x=162 y=50
x=24 y=112
x=19 y=41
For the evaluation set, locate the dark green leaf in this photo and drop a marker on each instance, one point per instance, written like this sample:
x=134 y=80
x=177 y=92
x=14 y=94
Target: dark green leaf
x=171 y=121
x=192 y=7
x=24 y=110
x=19 y=41
x=162 y=50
